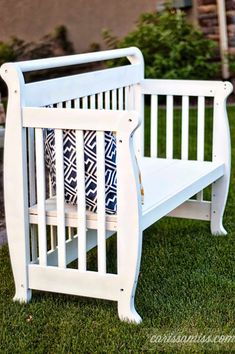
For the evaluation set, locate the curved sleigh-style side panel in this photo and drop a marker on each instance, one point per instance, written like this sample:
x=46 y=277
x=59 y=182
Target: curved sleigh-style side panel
x=129 y=233
x=221 y=153
x=15 y=183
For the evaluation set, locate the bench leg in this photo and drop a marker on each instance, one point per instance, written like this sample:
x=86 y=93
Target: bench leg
x=19 y=261
x=127 y=311
x=129 y=256
x=218 y=203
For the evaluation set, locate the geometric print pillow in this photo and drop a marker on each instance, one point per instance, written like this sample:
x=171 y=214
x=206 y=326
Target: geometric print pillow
x=70 y=167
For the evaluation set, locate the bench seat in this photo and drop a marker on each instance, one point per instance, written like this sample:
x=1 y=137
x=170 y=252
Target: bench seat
x=167 y=184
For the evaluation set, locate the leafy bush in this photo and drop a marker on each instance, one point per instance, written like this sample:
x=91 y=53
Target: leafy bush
x=172 y=48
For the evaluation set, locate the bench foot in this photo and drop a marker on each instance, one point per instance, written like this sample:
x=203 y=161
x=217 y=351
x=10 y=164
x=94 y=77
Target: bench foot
x=217 y=229
x=23 y=296
x=127 y=312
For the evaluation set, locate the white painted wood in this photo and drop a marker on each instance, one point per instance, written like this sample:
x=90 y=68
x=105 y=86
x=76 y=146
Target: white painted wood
x=52 y=228
x=33 y=235
x=81 y=205
x=154 y=126
x=200 y=128
x=70 y=281
x=16 y=184
x=114 y=99
x=70 y=216
x=101 y=202
x=107 y=100
x=178 y=180
x=53 y=231
x=100 y=100
x=92 y=102
x=31 y=163
x=128 y=248
x=181 y=87
x=72 y=248
x=169 y=127
x=185 y=128
x=68 y=104
x=46 y=92
x=200 y=134
x=193 y=209
x=131 y=103
x=133 y=54
x=120 y=98
x=126 y=91
x=89 y=119
x=41 y=197
x=60 y=198
x=84 y=102
x=220 y=152
x=77 y=103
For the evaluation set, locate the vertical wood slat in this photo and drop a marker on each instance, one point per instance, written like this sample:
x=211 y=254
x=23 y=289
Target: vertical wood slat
x=92 y=101
x=120 y=98
x=100 y=100
x=77 y=103
x=169 y=127
x=33 y=234
x=60 y=197
x=100 y=144
x=107 y=100
x=68 y=104
x=81 y=201
x=114 y=99
x=85 y=102
x=41 y=196
x=131 y=98
x=154 y=123
x=185 y=128
x=126 y=90
x=200 y=134
x=31 y=157
x=52 y=227
x=200 y=128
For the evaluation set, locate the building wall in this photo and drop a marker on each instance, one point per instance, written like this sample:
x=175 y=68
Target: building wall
x=32 y=19
x=208 y=20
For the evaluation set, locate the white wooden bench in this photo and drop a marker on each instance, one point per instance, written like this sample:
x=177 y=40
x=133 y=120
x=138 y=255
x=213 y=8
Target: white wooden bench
x=44 y=233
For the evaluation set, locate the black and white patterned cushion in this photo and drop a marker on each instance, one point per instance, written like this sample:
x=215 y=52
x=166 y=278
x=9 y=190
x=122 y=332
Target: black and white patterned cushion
x=70 y=168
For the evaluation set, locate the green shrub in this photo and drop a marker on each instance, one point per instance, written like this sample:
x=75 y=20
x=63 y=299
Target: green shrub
x=172 y=48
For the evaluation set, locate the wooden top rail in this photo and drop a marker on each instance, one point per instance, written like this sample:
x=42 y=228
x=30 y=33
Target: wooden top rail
x=186 y=87
x=132 y=53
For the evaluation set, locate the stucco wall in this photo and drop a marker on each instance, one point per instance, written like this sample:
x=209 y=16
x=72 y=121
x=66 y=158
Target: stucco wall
x=84 y=19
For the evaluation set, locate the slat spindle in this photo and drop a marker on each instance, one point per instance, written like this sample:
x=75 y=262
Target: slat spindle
x=154 y=121
x=120 y=98
x=101 y=202
x=100 y=100
x=185 y=128
x=60 y=197
x=41 y=196
x=114 y=99
x=107 y=100
x=200 y=134
x=169 y=127
x=81 y=201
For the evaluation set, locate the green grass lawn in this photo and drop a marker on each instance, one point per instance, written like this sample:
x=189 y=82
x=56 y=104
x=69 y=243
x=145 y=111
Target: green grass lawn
x=186 y=287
